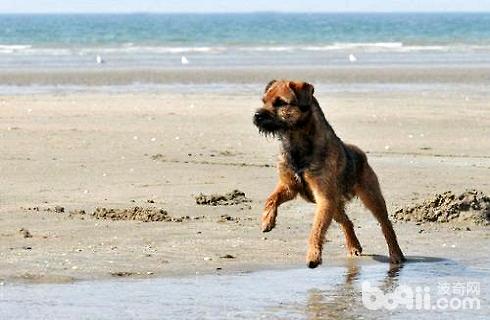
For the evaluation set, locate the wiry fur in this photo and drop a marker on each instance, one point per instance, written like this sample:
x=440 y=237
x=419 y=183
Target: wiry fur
x=318 y=166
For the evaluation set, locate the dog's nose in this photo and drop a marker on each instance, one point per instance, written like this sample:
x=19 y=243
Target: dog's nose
x=259 y=118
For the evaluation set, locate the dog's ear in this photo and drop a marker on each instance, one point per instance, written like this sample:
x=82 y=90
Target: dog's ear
x=303 y=92
x=269 y=85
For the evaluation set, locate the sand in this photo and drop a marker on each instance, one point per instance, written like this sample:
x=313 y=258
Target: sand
x=82 y=151
x=109 y=76
x=234 y=197
x=471 y=206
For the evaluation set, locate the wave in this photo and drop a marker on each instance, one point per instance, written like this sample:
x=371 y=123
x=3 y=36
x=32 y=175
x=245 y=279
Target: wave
x=131 y=48
x=355 y=45
x=269 y=48
x=369 y=47
x=11 y=48
x=152 y=49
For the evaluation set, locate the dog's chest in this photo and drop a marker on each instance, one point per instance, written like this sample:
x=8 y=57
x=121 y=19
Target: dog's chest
x=299 y=156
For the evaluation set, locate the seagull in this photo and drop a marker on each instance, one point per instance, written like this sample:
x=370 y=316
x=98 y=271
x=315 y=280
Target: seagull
x=352 y=58
x=184 y=60
x=99 y=60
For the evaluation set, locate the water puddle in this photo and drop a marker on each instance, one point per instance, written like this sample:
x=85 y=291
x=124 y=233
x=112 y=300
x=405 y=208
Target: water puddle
x=329 y=292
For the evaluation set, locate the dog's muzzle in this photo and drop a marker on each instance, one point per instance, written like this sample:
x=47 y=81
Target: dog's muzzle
x=260 y=117
x=266 y=122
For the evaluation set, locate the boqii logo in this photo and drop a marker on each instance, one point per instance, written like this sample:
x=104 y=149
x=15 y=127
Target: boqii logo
x=450 y=296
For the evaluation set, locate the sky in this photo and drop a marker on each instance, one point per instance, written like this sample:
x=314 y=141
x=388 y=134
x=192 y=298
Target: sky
x=202 y=6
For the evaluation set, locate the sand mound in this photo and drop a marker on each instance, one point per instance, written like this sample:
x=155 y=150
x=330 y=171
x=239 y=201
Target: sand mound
x=149 y=214
x=232 y=198
x=145 y=214
x=136 y=213
x=470 y=206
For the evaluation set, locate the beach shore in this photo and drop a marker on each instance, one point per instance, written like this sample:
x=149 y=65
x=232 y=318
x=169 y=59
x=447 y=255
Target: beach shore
x=80 y=151
x=106 y=75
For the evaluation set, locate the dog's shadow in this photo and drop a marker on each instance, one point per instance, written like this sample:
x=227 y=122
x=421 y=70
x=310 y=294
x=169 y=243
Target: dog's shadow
x=409 y=259
x=394 y=269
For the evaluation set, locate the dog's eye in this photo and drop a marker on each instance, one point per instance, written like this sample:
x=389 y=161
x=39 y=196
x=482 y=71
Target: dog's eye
x=279 y=103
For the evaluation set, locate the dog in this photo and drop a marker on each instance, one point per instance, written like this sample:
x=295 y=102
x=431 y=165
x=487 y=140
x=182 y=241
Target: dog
x=317 y=165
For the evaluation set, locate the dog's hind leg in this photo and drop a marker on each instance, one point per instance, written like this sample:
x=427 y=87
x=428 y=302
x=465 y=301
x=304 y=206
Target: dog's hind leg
x=352 y=243
x=369 y=191
x=281 y=194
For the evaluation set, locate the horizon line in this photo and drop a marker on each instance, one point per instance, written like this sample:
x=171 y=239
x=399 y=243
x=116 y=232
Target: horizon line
x=241 y=12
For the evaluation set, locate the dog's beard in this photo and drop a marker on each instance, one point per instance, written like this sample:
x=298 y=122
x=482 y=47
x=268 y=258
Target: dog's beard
x=271 y=129
x=270 y=133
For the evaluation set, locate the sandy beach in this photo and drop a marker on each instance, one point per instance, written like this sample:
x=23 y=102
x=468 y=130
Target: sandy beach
x=133 y=179
x=94 y=76
x=62 y=153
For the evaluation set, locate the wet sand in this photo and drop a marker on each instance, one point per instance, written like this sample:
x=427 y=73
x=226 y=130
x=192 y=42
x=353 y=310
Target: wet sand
x=160 y=150
x=106 y=75
x=332 y=292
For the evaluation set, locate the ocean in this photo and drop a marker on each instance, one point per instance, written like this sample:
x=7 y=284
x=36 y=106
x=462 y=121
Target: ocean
x=160 y=40
x=54 y=43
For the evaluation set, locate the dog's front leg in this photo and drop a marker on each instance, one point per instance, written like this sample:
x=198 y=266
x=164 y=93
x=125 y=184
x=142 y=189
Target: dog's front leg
x=326 y=208
x=281 y=194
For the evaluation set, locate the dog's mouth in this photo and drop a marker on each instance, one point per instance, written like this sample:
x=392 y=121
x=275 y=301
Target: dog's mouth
x=266 y=124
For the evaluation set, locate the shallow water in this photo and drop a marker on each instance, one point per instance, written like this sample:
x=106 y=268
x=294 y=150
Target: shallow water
x=328 y=292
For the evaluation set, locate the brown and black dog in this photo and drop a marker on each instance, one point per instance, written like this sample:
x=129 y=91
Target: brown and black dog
x=318 y=166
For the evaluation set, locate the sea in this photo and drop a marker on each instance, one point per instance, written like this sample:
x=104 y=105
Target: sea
x=57 y=42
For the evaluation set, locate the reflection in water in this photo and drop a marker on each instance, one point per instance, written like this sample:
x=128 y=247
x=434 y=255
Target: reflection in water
x=329 y=292
x=337 y=302
x=344 y=300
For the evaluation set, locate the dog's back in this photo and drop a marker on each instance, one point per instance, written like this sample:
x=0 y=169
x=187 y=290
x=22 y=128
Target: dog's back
x=353 y=157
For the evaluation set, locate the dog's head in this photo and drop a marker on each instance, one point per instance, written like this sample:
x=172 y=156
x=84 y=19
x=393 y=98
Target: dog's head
x=287 y=106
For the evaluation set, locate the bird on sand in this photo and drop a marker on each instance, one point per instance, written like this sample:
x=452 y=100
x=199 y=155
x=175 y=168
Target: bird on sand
x=99 y=60
x=184 y=60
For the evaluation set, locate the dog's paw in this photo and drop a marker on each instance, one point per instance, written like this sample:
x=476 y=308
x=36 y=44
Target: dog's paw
x=268 y=225
x=268 y=221
x=397 y=258
x=355 y=251
x=313 y=264
x=314 y=258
